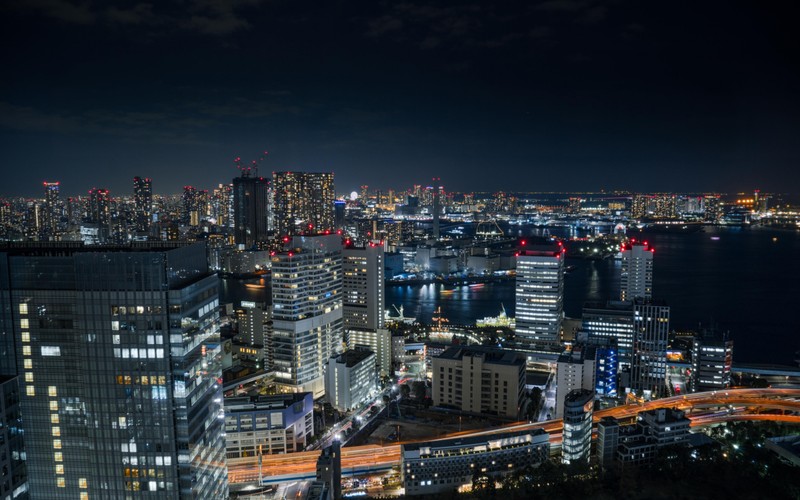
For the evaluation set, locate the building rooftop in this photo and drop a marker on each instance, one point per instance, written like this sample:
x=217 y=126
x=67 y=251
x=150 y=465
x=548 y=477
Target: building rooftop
x=353 y=357
x=489 y=354
x=276 y=402
x=578 y=396
x=579 y=354
x=541 y=251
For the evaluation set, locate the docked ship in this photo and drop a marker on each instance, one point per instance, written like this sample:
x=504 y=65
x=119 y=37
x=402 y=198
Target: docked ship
x=500 y=321
x=398 y=319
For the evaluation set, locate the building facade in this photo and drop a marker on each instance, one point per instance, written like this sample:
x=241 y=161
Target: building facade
x=636 y=273
x=251 y=210
x=576 y=443
x=303 y=202
x=142 y=418
x=350 y=379
x=574 y=370
x=268 y=424
x=539 y=295
x=712 y=360
x=378 y=341
x=306 y=311
x=13 y=469
x=479 y=380
x=364 y=298
x=142 y=203
x=444 y=466
x=651 y=331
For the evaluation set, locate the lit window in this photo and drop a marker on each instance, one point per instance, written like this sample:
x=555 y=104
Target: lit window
x=56 y=431
x=82 y=483
x=26 y=336
x=30 y=391
x=26 y=350
x=57 y=444
x=23 y=324
x=59 y=469
x=53 y=405
x=61 y=482
x=28 y=364
x=84 y=495
x=52 y=391
x=28 y=377
x=23 y=308
x=58 y=456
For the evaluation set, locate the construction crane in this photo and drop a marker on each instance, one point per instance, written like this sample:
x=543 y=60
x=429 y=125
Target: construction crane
x=252 y=168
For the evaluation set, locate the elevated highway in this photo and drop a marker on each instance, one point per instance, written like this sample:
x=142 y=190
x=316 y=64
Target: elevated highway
x=366 y=459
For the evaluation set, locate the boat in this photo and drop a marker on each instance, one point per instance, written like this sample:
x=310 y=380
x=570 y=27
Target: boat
x=500 y=321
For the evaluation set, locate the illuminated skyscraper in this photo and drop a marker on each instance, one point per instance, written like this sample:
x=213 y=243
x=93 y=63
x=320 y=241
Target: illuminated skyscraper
x=250 y=210
x=303 y=202
x=364 y=298
x=142 y=203
x=118 y=359
x=100 y=213
x=189 y=215
x=651 y=331
x=539 y=294
x=51 y=212
x=636 y=277
x=222 y=205
x=639 y=206
x=307 y=311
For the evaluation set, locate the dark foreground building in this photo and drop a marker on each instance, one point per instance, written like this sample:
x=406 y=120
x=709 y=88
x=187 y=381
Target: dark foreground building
x=116 y=353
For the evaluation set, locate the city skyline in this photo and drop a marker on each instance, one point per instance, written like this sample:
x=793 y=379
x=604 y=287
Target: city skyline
x=552 y=95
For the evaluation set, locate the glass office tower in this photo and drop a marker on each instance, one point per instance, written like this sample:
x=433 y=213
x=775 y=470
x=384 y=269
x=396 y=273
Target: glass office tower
x=117 y=355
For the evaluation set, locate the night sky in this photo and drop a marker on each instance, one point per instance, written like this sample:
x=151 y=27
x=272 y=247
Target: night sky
x=533 y=95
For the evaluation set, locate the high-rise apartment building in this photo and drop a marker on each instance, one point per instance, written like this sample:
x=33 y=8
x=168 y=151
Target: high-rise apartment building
x=665 y=206
x=51 y=212
x=539 y=294
x=222 y=205
x=303 y=202
x=364 y=295
x=142 y=203
x=119 y=364
x=712 y=208
x=307 y=311
x=100 y=212
x=636 y=276
x=639 y=206
x=251 y=210
x=651 y=331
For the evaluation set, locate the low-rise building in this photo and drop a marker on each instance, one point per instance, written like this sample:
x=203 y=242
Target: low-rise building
x=446 y=465
x=656 y=429
x=269 y=424
x=350 y=378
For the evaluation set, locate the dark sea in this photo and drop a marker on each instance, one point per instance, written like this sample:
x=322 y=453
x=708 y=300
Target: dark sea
x=744 y=280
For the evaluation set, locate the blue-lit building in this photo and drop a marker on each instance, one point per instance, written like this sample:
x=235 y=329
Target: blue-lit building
x=606 y=374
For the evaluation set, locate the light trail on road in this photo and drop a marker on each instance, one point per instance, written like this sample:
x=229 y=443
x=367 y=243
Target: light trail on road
x=375 y=456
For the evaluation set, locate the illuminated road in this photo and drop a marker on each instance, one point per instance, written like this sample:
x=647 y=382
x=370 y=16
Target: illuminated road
x=374 y=458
